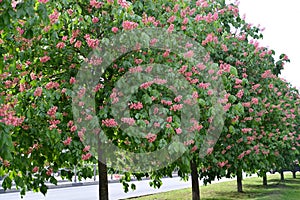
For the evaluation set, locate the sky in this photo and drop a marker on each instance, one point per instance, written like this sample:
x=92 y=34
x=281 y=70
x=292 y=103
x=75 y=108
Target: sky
x=281 y=22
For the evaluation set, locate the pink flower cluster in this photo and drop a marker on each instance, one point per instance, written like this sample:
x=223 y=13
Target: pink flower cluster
x=9 y=117
x=210 y=38
x=166 y=102
x=136 y=106
x=52 y=85
x=176 y=107
x=38 y=92
x=86 y=156
x=123 y=3
x=52 y=111
x=130 y=121
x=128 y=25
x=240 y=94
x=44 y=59
x=54 y=17
x=135 y=69
x=151 y=137
x=67 y=141
x=109 y=123
x=93 y=43
x=95 y=4
x=246 y=130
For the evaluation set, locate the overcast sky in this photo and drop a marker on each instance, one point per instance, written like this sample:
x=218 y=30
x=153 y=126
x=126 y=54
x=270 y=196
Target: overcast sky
x=281 y=22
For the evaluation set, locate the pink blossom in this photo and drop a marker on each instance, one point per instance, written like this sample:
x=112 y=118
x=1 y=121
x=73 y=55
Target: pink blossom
x=54 y=17
x=224 y=47
x=95 y=4
x=227 y=107
x=137 y=69
x=93 y=43
x=86 y=148
x=194 y=148
x=86 y=156
x=109 y=123
x=185 y=20
x=153 y=41
x=43 y=1
x=178 y=98
x=165 y=102
x=49 y=172
x=169 y=119
x=72 y=80
x=95 y=20
x=240 y=94
x=151 y=137
x=209 y=151
x=128 y=25
x=178 y=131
x=238 y=81
x=130 y=121
x=246 y=130
x=188 y=54
x=73 y=128
x=222 y=164
x=146 y=85
x=52 y=111
x=44 y=59
x=171 y=19
x=176 y=107
x=114 y=29
x=38 y=92
x=60 y=45
x=241 y=155
x=78 y=44
x=67 y=141
x=136 y=106
x=123 y=3
x=70 y=123
x=35 y=169
x=203 y=85
x=254 y=100
x=171 y=28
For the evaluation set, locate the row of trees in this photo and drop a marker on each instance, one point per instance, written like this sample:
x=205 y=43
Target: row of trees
x=152 y=86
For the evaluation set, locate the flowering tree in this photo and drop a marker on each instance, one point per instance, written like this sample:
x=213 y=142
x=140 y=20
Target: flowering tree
x=157 y=81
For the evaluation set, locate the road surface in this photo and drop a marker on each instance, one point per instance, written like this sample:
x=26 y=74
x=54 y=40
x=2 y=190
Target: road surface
x=115 y=191
x=91 y=192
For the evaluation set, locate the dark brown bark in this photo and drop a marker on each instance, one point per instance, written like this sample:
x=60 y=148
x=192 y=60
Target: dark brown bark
x=103 y=182
x=294 y=174
x=265 y=181
x=239 y=178
x=195 y=181
x=281 y=175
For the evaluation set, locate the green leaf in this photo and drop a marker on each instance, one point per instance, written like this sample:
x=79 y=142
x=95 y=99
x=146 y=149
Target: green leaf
x=233 y=71
x=43 y=189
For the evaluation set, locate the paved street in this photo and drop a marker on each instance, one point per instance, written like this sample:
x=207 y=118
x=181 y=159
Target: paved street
x=115 y=191
x=91 y=192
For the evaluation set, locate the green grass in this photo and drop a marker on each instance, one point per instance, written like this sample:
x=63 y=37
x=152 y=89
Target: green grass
x=289 y=189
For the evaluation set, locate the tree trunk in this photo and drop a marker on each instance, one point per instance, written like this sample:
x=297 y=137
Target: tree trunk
x=239 y=178
x=195 y=181
x=281 y=175
x=294 y=173
x=103 y=183
x=265 y=181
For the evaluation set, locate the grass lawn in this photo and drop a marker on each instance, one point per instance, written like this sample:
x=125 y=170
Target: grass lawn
x=253 y=189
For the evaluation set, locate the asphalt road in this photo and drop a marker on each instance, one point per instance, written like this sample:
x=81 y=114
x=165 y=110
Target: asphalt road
x=91 y=192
